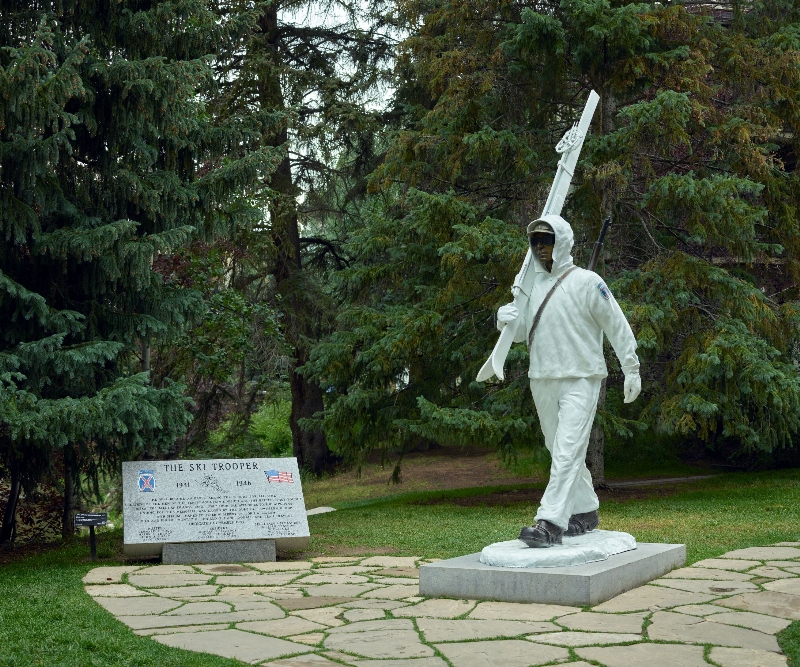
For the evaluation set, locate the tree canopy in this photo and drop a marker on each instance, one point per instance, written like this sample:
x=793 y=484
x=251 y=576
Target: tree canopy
x=693 y=152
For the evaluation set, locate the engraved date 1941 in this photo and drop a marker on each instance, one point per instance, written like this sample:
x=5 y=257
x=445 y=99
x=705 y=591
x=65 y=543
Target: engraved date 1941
x=182 y=485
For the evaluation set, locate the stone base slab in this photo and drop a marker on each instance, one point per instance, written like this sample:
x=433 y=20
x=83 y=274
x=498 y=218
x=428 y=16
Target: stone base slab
x=578 y=585
x=208 y=553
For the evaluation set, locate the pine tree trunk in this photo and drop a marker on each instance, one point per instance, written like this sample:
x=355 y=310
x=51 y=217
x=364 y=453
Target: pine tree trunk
x=595 y=458
x=310 y=447
x=10 y=514
x=68 y=516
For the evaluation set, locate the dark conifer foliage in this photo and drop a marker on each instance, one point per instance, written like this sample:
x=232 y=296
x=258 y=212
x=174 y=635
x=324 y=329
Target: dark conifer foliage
x=108 y=159
x=693 y=151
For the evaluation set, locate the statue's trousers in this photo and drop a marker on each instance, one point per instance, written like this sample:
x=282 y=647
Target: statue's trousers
x=566 y=409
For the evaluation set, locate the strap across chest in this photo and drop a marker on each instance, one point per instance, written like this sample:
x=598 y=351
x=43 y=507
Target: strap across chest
x=547 y=296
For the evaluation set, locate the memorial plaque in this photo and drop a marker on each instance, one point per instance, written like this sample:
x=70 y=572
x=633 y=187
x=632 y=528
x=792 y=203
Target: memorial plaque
x=213 y=500
x=91 y=519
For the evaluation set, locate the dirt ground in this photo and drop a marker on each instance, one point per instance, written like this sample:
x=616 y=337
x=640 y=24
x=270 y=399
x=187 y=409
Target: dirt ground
x=436 y=469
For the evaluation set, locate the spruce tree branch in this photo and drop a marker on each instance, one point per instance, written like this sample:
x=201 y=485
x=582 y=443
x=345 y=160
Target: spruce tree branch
x=315 y=240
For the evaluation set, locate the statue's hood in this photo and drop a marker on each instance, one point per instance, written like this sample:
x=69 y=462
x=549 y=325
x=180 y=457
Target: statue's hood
x=562 y=251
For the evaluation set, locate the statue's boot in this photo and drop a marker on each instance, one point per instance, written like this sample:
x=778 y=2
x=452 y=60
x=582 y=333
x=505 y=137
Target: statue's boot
x=580 y=524
x=543 y=534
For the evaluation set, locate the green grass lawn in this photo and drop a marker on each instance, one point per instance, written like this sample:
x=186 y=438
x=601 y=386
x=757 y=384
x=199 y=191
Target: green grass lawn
x=47 y=619
x=709 y=516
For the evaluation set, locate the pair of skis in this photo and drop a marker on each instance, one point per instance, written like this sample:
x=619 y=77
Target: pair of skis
x=570 y=148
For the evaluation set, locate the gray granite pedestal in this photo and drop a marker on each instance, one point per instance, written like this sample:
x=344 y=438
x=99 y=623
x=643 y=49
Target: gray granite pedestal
x=209 y=553
x=578 y=585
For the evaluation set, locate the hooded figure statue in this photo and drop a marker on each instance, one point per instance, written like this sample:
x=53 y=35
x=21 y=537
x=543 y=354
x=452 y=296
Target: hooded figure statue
x=567 y=366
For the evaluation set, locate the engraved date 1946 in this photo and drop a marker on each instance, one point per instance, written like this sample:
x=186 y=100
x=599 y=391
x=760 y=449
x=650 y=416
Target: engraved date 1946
x=240 y=482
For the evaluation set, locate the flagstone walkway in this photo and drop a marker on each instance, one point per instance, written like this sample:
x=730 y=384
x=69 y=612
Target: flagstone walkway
x=366 y=612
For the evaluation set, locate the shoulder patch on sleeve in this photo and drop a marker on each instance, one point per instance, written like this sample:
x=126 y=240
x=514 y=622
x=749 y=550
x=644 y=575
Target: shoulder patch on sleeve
x=604 y=291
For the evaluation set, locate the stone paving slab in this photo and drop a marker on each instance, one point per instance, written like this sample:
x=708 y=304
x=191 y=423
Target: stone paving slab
x=375 y=604
x=771 y=603
x=170 y=569
x=326 y=578
x=592 y=622
x=771 y=572
x=310 y=660
x=108 y=575
x=115 y=591
x=187 y=628
x=282 y=627
x=325 y=615
x=364 y=611
x=669 y=626
x=505 y=652
x=253 y=579
x=394 y=581
x=710 y=587
x=310 y=602
x=139 y=606
x=392 y=561
x=649 y=596
x=708 y=574
x=244 y=646
x=380 y=644
x=651 y=655
x=281 y=566
x=700 y=609
x=348 y=569
x=764 y=553
x=742 y=657
x=747 y=619
x=187 y=591
x=392 y=592
x=308 y=638
x=142 y=622
x=520 y=611
x=437 y=608
x=584 y=638
x=159 y=580
x=412 y=572
x=225 y=569
x=727 y=564
x=204 y=608
x=791 y=586
x=442 y=630
x=339 y=590
x=355 y=615
x=403 y=662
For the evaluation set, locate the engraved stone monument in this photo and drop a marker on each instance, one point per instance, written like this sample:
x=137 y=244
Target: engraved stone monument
x=219 y=510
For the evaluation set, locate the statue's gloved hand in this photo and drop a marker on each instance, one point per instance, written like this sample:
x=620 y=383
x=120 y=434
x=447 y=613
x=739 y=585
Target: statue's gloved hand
x=633 y=387
x=506 y=314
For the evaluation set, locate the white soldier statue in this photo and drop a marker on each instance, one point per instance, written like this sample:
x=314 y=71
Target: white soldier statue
x=568 y=311
x=562 y=311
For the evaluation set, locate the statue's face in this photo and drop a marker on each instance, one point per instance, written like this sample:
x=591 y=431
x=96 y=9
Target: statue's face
x=542 y=245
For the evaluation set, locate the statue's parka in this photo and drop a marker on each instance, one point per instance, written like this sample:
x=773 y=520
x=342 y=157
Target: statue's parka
x=567 y=367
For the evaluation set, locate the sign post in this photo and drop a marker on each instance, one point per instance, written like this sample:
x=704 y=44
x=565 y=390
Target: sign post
x=92 y=519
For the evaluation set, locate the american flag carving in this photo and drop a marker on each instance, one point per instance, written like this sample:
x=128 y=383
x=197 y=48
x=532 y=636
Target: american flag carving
x=275 y=476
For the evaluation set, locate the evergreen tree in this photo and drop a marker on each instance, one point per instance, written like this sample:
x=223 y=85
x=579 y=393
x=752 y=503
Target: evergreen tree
x=108 y=159
x=693 y=151
x=323 y=63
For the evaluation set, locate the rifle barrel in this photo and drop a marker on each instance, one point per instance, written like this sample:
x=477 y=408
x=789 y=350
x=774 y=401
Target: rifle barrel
x=598 y=246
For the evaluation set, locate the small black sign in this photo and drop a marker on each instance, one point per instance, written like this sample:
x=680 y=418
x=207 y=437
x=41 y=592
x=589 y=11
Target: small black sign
x=91 y=519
